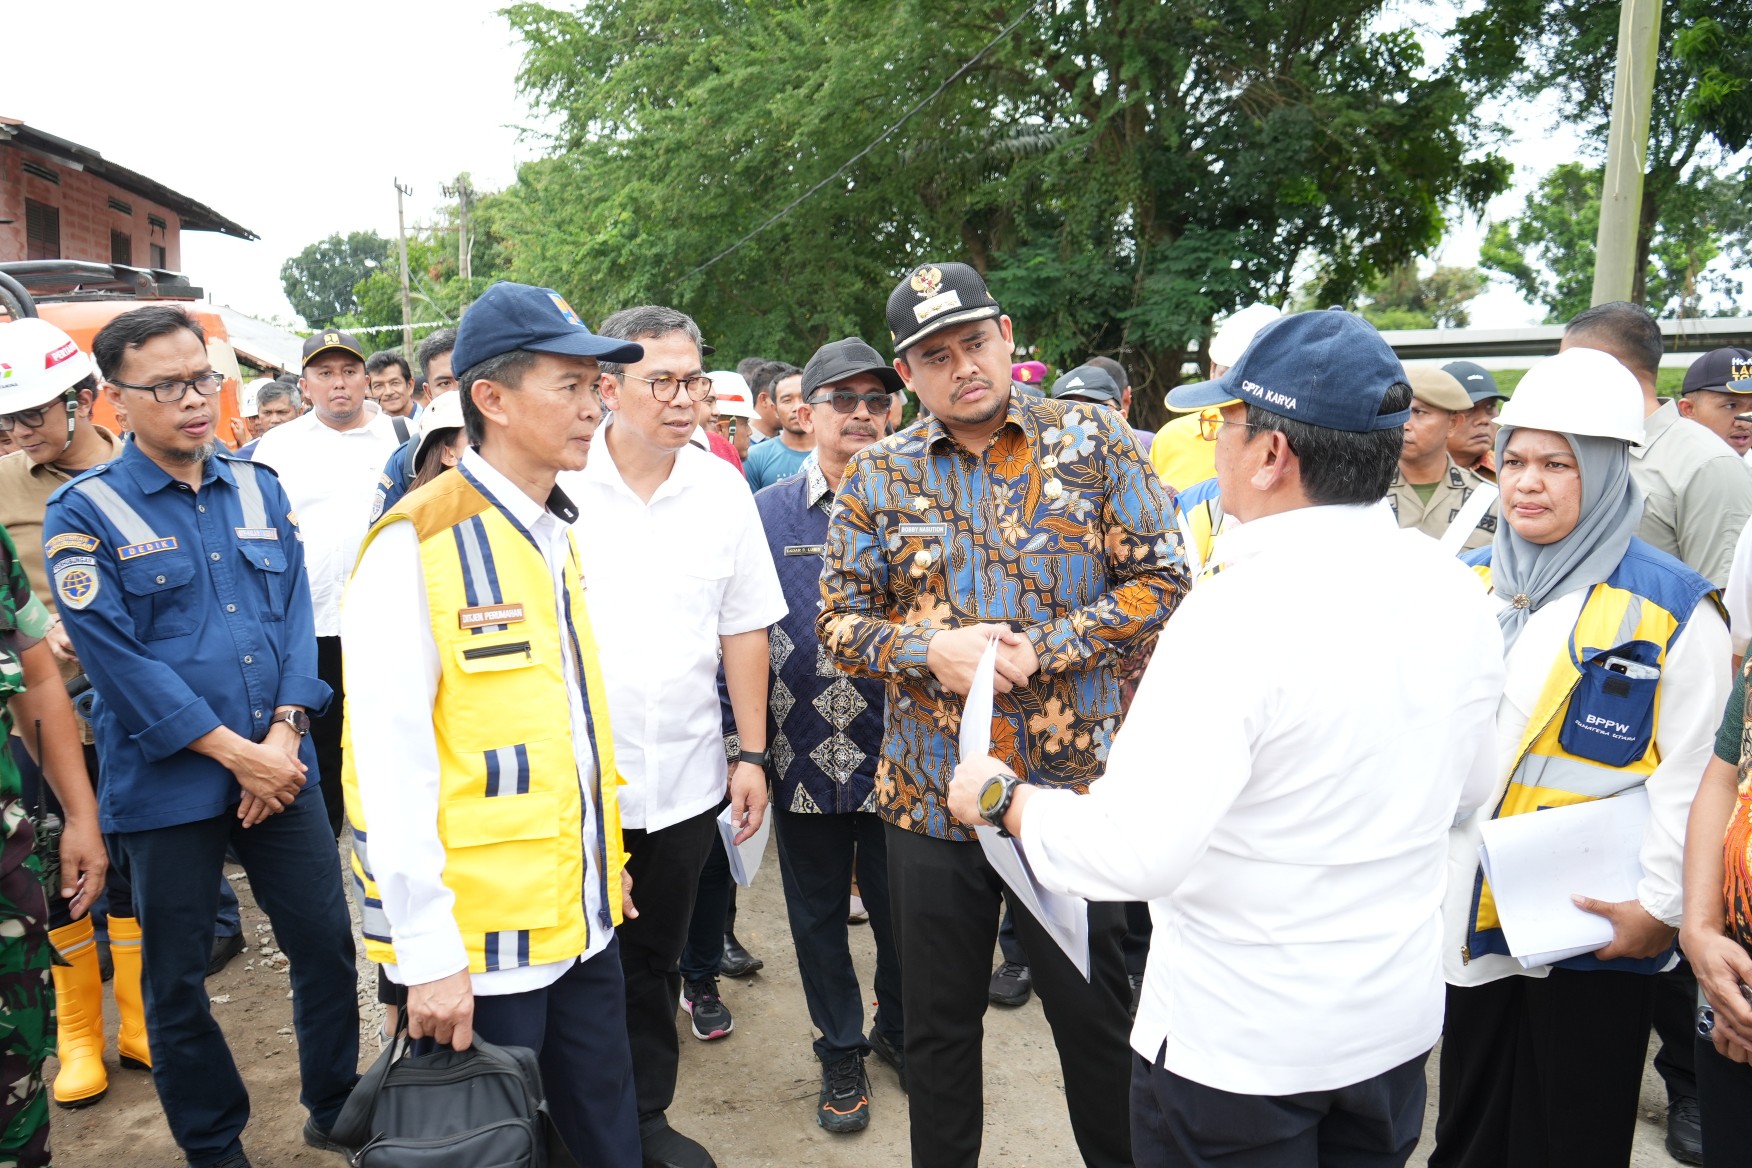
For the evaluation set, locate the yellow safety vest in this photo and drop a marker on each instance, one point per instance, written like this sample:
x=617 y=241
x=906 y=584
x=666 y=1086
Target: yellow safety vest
x=1591 y=734
x=510 y=812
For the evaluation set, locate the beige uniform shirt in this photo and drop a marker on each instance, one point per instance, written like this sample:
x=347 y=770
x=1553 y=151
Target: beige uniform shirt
x=1698 y=492
x=1433 y=518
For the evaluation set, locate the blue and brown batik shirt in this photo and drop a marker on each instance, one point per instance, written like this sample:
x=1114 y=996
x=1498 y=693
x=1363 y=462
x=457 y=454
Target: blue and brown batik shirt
x=1059 y=529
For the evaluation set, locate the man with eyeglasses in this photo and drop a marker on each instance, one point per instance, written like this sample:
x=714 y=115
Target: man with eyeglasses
x=398 y=472
x=329 y=462
x=678 y=571
x=771 y=461
x=179 y=572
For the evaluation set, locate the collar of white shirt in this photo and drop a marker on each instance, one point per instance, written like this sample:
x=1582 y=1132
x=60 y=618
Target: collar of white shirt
x=684 y=472
x=507 y=494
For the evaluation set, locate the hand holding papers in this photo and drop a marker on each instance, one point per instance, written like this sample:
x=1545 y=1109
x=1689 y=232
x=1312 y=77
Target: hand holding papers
x=1066 y=918
x=745 y=856
x=1536 y=862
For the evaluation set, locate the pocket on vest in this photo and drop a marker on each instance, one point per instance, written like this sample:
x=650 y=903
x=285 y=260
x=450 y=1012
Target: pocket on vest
x=497 y=843
x=1611 y=715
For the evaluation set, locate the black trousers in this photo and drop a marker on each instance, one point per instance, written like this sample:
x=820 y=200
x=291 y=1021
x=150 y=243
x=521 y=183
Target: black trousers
x=665 y=865
x=816 y=856
x=1177 y=1123
x=1543 y=1072
x=1676 y=1025
x=325 y=732
x=945 y=899
x=1724 y=1095
x=714 y=916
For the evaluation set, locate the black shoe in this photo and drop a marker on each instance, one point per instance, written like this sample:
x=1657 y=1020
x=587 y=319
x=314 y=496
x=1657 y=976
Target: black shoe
x=1137 y=991
x=1012 y=984
x=319 y=1139
x=224 y=949
x=893 y=1055
x=845 y=1095
x=661 y=1146
x=738 y=962
x=1684 y=1130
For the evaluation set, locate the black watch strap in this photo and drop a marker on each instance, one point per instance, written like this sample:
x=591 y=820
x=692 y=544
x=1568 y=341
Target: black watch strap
x=756 y=757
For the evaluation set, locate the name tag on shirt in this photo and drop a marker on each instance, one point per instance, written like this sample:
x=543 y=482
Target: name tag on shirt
x=257 y=532
x=135 y=550
x=939 y=529
x=489 y=614
x=805 y=549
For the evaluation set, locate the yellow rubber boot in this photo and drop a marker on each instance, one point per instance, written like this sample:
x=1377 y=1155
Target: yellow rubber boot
x=124 y=933
x=79 y=1017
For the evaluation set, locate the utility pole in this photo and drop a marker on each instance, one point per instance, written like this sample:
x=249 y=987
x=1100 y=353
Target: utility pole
x=401 y=232
x=1627 y=145
x=463 y=194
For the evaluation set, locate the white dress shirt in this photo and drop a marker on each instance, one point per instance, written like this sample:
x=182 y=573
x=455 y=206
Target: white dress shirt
x=666 y=579
x=1281 y=793
x=392 y=675
x=330 y=477
x=1737 y=596
x=1694 y=689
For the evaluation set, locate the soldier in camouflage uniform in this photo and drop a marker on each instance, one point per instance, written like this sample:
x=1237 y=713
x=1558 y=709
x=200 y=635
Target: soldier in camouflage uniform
x=27 y=995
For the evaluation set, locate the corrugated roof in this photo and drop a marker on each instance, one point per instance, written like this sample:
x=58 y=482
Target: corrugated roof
x=195 y=216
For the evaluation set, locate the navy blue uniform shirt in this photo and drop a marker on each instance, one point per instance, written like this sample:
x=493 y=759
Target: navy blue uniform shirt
x=189 y=610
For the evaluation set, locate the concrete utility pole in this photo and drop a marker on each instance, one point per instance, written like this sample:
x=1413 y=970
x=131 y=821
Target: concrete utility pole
x=401 y=232
x=1627 y=146
x=463 y=194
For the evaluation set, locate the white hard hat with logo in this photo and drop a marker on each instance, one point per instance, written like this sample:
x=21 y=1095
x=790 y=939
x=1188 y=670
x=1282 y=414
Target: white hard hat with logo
x=731 y=390
x=1579 y=391
x=38 y=363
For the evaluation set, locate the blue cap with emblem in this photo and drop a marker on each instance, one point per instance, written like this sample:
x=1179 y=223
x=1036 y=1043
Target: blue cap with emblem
x=1329 y=369
x=520 y=316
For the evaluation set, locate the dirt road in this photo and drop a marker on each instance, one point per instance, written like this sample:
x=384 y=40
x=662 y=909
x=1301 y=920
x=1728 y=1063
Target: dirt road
x=750 y=1097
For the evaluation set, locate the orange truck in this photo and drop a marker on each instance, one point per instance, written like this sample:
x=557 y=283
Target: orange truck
x=80 y=297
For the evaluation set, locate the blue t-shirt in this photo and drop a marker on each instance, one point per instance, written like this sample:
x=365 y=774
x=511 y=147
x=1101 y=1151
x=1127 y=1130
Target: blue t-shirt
x=771 y=461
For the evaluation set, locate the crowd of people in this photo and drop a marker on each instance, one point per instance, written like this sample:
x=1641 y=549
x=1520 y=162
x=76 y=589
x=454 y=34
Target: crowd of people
x=537 y=627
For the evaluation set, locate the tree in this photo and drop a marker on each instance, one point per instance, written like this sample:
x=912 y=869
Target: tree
x=320 y=280
x=1120 y=172
x=1402 y=299
x=1700 y=117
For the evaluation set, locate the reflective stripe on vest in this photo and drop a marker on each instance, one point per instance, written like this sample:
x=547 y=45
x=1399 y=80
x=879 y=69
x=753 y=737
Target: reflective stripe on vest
x=249 y=494
x=117 y=510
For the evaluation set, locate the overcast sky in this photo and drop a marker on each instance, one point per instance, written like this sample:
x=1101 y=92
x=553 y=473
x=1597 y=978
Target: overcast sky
x=296 y=120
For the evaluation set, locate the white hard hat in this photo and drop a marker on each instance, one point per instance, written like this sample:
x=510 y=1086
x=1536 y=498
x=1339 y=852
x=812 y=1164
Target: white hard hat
x=731 y=390
x=1579 y=391
x=38 y=363
x=247 y=397
x=445 y=413
x=1237 y=332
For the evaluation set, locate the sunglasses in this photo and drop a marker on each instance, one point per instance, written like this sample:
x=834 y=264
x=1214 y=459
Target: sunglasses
x=845 y=401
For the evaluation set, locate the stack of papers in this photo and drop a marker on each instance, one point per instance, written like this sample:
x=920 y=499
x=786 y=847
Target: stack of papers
x=745 y=857
x=1536 y=862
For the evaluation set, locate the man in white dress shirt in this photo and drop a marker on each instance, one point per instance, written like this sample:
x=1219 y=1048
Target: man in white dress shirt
x=1293 y=848
x=480 y=778
x=328 y=462
x=678 y=569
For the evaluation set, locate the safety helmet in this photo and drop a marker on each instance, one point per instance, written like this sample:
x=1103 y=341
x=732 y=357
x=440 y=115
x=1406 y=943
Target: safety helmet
x=1579 y=391
x=38 y=363
x=731 y=390
x=445 y=413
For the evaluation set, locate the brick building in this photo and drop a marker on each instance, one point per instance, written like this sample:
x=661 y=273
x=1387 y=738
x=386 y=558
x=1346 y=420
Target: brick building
x=61 y=200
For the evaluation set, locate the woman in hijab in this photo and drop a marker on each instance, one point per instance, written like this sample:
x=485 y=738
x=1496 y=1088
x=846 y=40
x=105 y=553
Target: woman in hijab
x=1618 y=662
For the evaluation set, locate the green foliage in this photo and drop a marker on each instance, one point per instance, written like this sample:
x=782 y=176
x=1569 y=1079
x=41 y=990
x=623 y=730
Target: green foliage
x=319 y=281
x=1121 y=172
x=1402 y=299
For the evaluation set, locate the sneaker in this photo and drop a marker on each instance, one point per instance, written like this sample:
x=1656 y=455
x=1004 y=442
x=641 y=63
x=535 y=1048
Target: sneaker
x=1684 y=1130
x=859 y=915
x=711 y=1017
x=737 y=961
x=845 y=1095
x=1012 y=984
x=891 y=1054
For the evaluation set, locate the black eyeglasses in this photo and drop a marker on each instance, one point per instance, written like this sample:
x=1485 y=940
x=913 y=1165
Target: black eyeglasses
x=29 y=419
x=845 y=401
x=174 y=390
x=666 y=387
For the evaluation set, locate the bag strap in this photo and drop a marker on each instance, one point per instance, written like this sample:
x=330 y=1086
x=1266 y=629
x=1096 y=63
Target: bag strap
x=1471 y=511
x=353 y=1127
x=401 y=429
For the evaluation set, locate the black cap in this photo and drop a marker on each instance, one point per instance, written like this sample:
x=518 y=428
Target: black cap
x=323 y=340
x=838 y=360
x=1087 y=381
x=1476 y=380
x=1718 y=369
x=932 y=297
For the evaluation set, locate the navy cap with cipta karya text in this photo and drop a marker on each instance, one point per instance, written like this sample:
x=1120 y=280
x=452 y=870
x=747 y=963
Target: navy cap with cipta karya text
x=521 y=316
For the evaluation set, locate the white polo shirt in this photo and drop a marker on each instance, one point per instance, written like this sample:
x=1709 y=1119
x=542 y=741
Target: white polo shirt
x=665 y=580
x=330 y=476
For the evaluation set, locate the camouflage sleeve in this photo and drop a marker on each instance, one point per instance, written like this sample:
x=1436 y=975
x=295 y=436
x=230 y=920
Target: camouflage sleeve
x=30 y=620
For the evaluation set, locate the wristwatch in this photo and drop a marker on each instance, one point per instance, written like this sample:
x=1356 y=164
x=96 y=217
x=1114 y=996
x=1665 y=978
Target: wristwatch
x=995 y=798
x=297 y=719
x=755 y=757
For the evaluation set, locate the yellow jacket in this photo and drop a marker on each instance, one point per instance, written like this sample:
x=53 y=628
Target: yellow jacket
x=510 y=808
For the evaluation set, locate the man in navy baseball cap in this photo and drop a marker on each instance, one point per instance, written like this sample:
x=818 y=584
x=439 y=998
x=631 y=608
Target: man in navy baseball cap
x=511 y=317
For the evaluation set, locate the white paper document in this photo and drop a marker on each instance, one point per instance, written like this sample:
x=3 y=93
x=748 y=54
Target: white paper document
x=1065 y=918
x=1535 y=862
x=745 y=857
